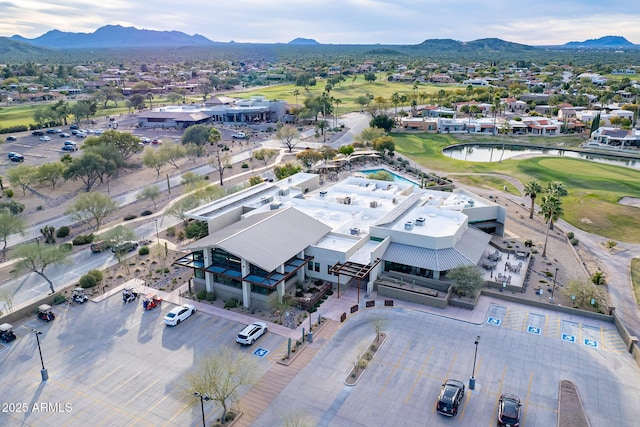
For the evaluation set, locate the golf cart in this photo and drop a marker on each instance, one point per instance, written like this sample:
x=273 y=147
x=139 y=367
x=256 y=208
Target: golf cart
x=45 y=313
x=151 y=301
x=79 y=296
x=6 y=333
x=129 y=295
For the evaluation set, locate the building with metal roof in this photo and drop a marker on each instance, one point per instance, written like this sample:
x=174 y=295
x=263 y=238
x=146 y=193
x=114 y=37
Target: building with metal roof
x=267 y=238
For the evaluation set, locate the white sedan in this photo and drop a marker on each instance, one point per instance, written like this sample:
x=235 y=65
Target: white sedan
x=178 y=314
x=45 y=138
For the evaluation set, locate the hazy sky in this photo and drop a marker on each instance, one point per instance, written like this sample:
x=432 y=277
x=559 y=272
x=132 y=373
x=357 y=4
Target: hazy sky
x=536 y=22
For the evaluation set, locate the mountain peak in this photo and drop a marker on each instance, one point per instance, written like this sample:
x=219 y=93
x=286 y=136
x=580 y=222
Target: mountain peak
x=301 y=40
x=606 y=41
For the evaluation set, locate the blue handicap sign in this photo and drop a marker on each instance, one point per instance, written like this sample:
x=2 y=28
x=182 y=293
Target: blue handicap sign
x=591 y=343
x=493 y=321
x=261 y=352
x=568 y=338
x=533 y=330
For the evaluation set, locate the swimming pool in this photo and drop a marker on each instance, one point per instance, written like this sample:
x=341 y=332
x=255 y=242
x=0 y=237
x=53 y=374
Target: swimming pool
x=396 y=177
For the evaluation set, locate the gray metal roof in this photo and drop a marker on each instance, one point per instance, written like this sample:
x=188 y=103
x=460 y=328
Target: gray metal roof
x=467 y=251
x=268 y=239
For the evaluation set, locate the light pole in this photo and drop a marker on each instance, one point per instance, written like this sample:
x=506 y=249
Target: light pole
x=553 y=289
x=202 y=397
x=472 y=380
x=157 y=236
x=43 y=372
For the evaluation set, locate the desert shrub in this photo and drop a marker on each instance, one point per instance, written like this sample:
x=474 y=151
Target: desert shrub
x=62 y=232
x=575 y=242
x=180 y=236
x=83 y=239
x=171 y=231
x=232 y=303
x=245 y=165
x=96 y=274
x=166 y=270
x=87 y=281
x=59 y=299
x=8 y=192
x=39 y=207
x=144 y=250
x=130 y=217
x=313 y=309
x=211 y=296
x=196 y=230
x=66 y=246
x=202 y=295
x=570 y=235
x=145 y=213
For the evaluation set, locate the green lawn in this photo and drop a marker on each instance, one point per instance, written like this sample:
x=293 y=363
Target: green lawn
x=594 y=188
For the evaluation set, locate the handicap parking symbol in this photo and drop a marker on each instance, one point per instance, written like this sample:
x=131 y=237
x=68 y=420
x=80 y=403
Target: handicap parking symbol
x=533 y=330
x=591 y=343
x=493 y=321
x=568 y=338
x=261 y=352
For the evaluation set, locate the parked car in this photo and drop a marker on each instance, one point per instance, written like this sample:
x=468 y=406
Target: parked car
x=15 y=157
x=178 y=314
x=45 y=138
x=145 y=140
x=509 y=410
x=125 y=247
x=156 y=141
x=68 y=147
x=73 y=127
x=54 y=130
x=12 y=138
x=81 y=135
x=100 y=246
x=251 y=333
x=64 y=135
x=239 y=135
x=450 y=397
x=37 y=133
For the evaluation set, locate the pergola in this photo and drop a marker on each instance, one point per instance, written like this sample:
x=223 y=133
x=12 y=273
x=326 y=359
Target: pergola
x=353 y=269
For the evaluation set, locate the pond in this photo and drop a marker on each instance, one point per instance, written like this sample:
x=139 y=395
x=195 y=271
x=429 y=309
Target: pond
x=498 y=152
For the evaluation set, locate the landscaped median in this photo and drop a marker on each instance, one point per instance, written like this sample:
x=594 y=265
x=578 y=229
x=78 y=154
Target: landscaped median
x=364 y=358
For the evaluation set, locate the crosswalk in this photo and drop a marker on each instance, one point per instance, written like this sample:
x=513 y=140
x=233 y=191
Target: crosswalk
x=521 y=319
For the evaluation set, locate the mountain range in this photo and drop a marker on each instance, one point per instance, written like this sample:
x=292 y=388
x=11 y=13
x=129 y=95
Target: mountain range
x=117 y=36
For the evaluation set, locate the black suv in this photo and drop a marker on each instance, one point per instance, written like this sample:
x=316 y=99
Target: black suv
x=450 y=397
x=37 y=133
x=509 y=410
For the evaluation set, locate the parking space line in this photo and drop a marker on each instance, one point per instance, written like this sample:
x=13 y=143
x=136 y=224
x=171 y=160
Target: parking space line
x=395 y=365
x=612 y=341
x=123 y=383
x=60 y=353
x=526 y=399
x=134 y=398
x=495 y=405
x=419 y=376
x=515 y=319
x=170 y=420
x=107 y=375
x=552 y=327
x=453 y=361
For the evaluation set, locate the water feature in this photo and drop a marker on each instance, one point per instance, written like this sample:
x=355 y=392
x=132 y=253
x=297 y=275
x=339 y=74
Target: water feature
x=498 y=152
x=396 y=177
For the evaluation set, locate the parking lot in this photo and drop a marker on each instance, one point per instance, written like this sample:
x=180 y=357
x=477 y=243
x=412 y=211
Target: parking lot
x=111 y=363
x=401 y=384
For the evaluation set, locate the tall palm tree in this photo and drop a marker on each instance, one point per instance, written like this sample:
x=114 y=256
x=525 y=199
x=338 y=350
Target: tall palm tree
x=150 y=98
x=556 y=189
x=395 y=99
x=532 y=189
x=296 y=92
x=551 y=208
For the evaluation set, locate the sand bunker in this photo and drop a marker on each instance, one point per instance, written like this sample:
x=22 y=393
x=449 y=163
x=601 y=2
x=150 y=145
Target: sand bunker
x=630 y=201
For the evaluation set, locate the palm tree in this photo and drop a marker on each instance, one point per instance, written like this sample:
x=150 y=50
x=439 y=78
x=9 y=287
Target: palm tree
x=551 y=208
x=556 y=189
x=296 y=92
x=335 y=113
x=395 y=99
x=532 y=189
x=150 y=98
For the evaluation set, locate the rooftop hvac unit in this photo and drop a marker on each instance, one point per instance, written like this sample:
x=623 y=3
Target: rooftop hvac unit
x=284 y=192
x=408 y=225
x=354 y=231
x=395 y=201
x=471 y=202
x=323 y=194
x=275 y=205
x=373 y=204
x=347 y=200
x=420 y=221
x=265 y=200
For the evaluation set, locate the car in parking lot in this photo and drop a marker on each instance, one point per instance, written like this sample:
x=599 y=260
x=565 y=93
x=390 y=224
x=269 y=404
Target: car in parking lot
x=15 y=157
x=450 y=396
x=69 y=147
x=509 y=410
x=72 y=127
x=127 y=246
x=54 y=130
x=12 y=138
x=251 y=333
x=178 y=314
x=37 y=133
x=64 y=135
x=45 y=138
x=239 y=135
x=81 y=135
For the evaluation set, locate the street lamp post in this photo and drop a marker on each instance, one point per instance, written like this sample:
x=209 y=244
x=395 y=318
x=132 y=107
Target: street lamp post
x=43 y=372
x=553 y=289
x=202 y=397
x=157 y=235
x=472 y=380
